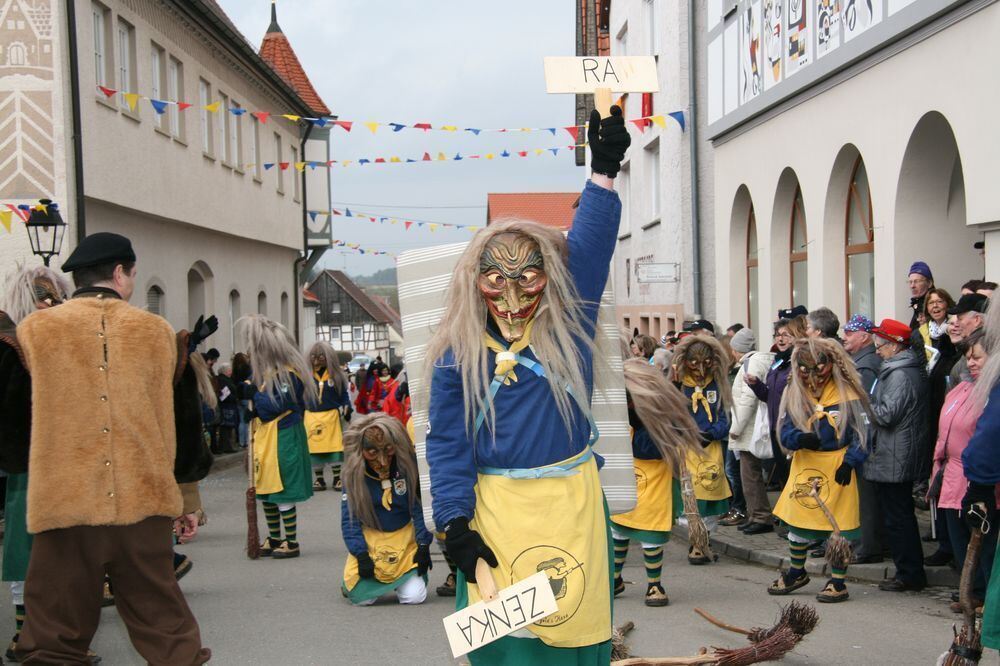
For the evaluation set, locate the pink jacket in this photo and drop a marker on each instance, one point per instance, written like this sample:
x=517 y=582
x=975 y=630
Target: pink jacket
x=958 y=422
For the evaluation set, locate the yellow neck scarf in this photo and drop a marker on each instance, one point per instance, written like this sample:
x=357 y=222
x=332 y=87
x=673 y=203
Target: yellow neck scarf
x=386 y=490
x=506 y=357
x=698 y=397
x=321 y=378
x=829 y=398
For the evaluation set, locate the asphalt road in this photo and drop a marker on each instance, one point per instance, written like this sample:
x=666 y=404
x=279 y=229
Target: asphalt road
x=292 y=612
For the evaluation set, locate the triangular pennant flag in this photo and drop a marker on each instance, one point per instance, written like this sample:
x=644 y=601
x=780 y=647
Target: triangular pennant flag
x=346 y=124
x=551 y=129
x=539 y=151
x=331 y=162
x=659 y=120
x=522 y=153
x=433 y=227
x=363 y=161
x=237 y=111
x=313 y=215
x=261 y=116
x=501 y=130
x=489 y=156
x=5 y=217
x=212 y=108
x=292 y=117
x=397 y=126
x=640 y=123
x=159 y=106
x=427 y=157
x=312 y=165
x=283 y=165
x=679 y=117
x=574 y=131
x=408 y=224
x=449 y=128
x=441 y=157
x=348 y=213
x=422 y=126
x=108 y=92
x=473 y=157
x=554 y=150
x=300 y=166
x=131 y=99
x=473 y=228
x=458 y=157
x=473 y=130
x=19 y=211
x=41 y=208
x=505 y=153
x=335 y=211
x=372 y=219
x=183 y=105
x=321 y=122
x=379 y=160
x=420 y=224
x=408 y=160
x=346 y=162
x=373 y=126
x=395 y=159
x=268 y=165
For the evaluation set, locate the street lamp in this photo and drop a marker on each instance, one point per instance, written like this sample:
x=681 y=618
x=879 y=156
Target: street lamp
x=45 y=229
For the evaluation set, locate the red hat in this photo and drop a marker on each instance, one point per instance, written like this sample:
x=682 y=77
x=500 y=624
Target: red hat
x=893 y=331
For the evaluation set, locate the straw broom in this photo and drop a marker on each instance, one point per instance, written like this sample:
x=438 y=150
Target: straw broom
x=838 y=549
x=253 y=536
x=966 y=648
x=698 y=535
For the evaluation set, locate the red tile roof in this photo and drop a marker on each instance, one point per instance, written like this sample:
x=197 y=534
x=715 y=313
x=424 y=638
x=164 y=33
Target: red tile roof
x=553 y=209
x=277 y=52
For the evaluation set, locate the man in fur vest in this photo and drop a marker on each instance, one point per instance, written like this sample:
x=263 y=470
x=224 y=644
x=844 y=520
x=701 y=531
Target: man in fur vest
x=105 y=466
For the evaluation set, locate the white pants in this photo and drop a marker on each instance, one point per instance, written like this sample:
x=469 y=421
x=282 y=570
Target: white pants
x=711 y=522
x=17 y=592
x=413 y=591
x=621 y=537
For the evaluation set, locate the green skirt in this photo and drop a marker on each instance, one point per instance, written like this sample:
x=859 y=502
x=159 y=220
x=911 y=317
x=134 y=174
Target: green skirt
x=324 y=458
x=991 y=609
x=369 y=588
x=16 y=540
x=813 y=535
x=709 y=508
x=294 y=466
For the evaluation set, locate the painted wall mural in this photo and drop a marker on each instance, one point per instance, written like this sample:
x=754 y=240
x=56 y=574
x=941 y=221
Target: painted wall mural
x=827 y=26
x=797 y=55
x=750 y=53
x=859 y=15
x=773 y=43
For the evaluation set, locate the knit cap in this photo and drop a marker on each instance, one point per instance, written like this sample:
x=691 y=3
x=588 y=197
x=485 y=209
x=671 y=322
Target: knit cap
x=743 y=341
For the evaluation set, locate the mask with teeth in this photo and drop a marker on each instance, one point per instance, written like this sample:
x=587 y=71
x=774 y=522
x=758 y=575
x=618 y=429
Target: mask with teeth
x=378 y=451
x=511 y=279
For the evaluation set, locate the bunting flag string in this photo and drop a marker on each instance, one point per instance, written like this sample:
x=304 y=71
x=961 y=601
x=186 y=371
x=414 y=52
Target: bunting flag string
x=354 y=247
x=406 y=222
x=22 y=211
x=160 y=107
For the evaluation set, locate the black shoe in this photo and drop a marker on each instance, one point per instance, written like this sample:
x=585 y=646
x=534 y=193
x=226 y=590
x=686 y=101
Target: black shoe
x=866 y=559
x=758 y=528
x=447 y=589
x=938 y=559
x=896 y=585
x=744 y=526
x=955 y=596
x=619 y=585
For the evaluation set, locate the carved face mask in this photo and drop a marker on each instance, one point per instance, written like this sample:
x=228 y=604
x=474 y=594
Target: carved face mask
x=814 y=372
x=511 y=279
x=46 y=293
x=698 y=363
x=378 y=451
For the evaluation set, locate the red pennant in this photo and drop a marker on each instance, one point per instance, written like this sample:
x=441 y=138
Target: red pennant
x=283 y=165
x=503 y=130
x=379 y=160
x=346 y=124
x=423 y=126
x=473 y=157
x=427 y=157
x=23 y=214
x=183 y=105
x=408 y=224
x=372 y=219
x=522 y=153
x=108 y=92
x=262 y=116
x=330 y=162
x=574 y=131
x=640 y=123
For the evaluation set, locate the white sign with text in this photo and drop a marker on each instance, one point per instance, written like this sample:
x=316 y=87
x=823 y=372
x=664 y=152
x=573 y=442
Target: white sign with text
x=620 y=74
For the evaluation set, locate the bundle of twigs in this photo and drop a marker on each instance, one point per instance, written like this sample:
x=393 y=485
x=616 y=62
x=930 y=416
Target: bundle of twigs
x=798 y=618
x=698 y=535
x=253 y=536
x=838 y=549
x=966 y=647
x=619 y=648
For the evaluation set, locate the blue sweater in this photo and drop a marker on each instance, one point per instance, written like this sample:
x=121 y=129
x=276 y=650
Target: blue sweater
x=981 y=458
x=290 y=398
x=828 y=440
x=529 y=432
x=330 y=398
x=391 y=520
x=643 y=446
x=717 y=428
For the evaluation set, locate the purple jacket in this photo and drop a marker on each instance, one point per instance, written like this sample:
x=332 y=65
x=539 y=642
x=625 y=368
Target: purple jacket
x=773 y=386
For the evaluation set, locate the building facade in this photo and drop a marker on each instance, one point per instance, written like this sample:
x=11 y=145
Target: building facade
x=214 y=230
x=851 y=139
x=351 y=320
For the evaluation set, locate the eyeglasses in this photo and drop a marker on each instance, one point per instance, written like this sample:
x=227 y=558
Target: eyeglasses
x=783 y=334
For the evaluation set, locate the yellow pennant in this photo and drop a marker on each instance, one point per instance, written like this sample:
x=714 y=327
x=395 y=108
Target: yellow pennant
x=490 y=156
x=131 y=99
x=659 y=120
x=449 y=128
x=5 y=217
x=346 y=162
x=291 y=117
x=373 y=126
x=41 y=208
x=212 y=108
x=300 y=166
x=433 y=227
x=395 y=159
x=539 y=151
x=441 y=157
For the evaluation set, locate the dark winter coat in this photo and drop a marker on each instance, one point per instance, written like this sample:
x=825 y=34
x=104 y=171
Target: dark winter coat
x=899 y=429
x=868 y=364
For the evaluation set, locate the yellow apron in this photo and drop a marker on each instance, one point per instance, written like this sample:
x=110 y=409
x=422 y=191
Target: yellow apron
x=708 y=473
x=556 y=525
x=798 y=509
x=392 y=553
x=266 y=471
x=654 y=501
x=324 y=431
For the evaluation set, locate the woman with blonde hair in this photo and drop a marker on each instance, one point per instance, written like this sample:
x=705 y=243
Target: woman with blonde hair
x=324 y=423
x=282 y=468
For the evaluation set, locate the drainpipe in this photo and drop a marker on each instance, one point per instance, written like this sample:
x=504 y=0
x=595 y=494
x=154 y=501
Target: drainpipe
x=693 y=149
x=74 y=82
x=305 y=235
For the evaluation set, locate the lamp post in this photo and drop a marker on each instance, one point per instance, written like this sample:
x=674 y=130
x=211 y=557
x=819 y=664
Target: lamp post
x=45 y=229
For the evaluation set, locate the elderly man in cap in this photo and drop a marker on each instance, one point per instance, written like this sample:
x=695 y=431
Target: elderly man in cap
x=103 y=496
x=969 y=312
x=700 y=327
x=898 y=435
x=920 y=280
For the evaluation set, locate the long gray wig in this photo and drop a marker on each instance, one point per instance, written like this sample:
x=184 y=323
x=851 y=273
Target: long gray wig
x=359 y=501
x=20 y=297
x=274 y=356
x=332 y=363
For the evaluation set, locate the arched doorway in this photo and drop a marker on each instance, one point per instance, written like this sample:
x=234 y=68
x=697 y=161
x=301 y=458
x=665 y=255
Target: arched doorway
x=234 y=316
x=744 y=250
x=199 y=281
x=789 y=251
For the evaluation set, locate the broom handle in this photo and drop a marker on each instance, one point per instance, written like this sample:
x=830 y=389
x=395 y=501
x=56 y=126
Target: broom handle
x=667 y=661
x=968 y=575
x=484 y=579
x=719 y=623
x=814 y=493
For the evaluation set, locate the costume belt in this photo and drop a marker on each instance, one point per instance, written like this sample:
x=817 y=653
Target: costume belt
x=561 y=469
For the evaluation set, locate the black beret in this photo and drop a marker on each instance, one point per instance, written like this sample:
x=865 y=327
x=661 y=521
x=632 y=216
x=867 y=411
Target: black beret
x=97 y=249
x=792 y=313
x=969 y=303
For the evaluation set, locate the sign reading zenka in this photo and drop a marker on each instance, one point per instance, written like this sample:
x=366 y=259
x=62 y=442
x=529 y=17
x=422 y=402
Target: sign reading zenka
x=645 y=273
x=515 y=607
x=586 y=74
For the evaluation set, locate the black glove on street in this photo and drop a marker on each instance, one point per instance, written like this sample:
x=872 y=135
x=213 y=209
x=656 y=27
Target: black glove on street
x=423 y=560
x=366 y=568
x=202 y=329
x=465 y=546
x=809 y=440
x=608 y=141
x=975 y=494
x=843 y=475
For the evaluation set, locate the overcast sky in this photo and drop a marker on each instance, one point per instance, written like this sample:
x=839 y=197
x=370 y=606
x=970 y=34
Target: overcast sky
x=446 y=62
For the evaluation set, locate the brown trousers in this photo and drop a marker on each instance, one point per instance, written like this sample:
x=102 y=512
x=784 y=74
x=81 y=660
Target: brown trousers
x=64 y=589
x=754 y=489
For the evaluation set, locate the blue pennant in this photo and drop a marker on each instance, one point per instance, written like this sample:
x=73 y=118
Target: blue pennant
x=505 y=154
x=679 y=117
x=268 y=165
x=159 y=106
x=313 y=215
x=458 y=156
x=555 y=151
x=551 y=129
x=347 y=212
x=408 y=160
x=364 y=160
x=237 y=111
x=312 y=165
x=319 y=121
x=473 y=130
x=397 y=126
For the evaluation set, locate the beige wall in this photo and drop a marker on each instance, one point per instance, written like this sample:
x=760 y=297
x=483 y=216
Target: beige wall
x=899 y=115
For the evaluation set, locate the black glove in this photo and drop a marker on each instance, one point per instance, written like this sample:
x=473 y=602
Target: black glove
x=843 y=475
x=978 y=493
x=809 y=440
x=608 y=141
x=202 y=329
x=366 y=568
x=704 y=439
x=465 y=546
x=423 y=560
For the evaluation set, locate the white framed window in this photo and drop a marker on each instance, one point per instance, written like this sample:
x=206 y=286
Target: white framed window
x=125 y=44
x=651 y=12
x=235 y=137
x=277 y=163
x=175 y=91
x=101 y=16
x=653 y=160
x=335 y=333
x=358 y=333
x=625 y=190
x=254 y=145
x=205 y=98
x=157 y=79
x=296 y=176
x=622 y=40
x=221 y=139
x=262 y=303
x=335 y=307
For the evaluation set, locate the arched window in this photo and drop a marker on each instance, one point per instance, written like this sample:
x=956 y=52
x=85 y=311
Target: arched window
x=284 y=309
x=798 y=252
x=16 y=55
x=753 y=293
x=196 y=296
x=262 y=303
x=860 y=248
x=154 y=300
x=234 y=316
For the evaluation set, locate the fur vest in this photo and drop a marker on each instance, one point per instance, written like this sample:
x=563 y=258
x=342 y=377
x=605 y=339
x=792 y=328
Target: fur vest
x=103 y=437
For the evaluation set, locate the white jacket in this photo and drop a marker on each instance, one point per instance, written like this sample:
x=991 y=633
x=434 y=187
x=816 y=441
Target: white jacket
x=744 y=401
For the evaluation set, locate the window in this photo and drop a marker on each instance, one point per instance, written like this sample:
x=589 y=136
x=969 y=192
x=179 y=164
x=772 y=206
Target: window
x=154 y=301
x=296 y=176
x=628 y=277
x=158 y=64
x=654 y=40
x=753 y=294
x=254 y=144
x=335 y=307
x=284 y=310
x=358 y=336
x=277 y=163
x=798 y=253
x=126 y=58
x=860 y=248
x=100 y=44
x=653 y=158
x=221 y=142
x=16 y=55
x=235 y=138
x=622 y=39
x=175 y=91
x=205 y=98
x=335 y=333
x=234 y=316
x=262 y=303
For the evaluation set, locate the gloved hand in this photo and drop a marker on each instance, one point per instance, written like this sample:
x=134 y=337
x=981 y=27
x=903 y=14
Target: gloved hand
x=809 y=440
x=843 y=475
x=978 y=493
x=608 y=141
x=202 y=329
x=366 y=568
x=704 y=439
x=465 y=546
x=423 y=560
